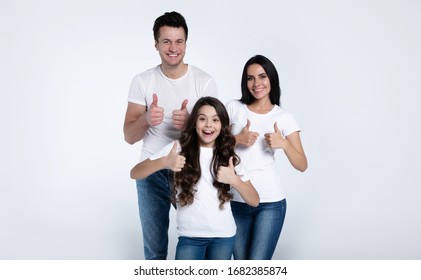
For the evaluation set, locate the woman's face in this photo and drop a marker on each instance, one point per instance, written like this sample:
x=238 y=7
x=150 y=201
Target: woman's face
x=208 y=126
x=258 y=82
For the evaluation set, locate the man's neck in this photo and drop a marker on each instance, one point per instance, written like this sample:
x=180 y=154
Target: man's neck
x=174 y=72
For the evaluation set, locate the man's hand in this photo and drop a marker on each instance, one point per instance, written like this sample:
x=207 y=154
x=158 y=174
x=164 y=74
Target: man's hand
x=180 y=117
x=155 y=114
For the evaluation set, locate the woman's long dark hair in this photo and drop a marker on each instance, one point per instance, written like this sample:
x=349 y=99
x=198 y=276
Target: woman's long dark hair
x=185 y=180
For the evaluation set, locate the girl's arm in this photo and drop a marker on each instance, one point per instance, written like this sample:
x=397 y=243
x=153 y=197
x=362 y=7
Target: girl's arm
x=226 y=175
x=172 y=161
x=291 y=145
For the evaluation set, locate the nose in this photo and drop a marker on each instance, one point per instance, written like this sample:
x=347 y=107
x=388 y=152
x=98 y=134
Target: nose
x=173 y=47
x=256 y=82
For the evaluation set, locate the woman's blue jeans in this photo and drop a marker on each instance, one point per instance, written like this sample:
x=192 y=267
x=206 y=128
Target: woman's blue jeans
x=198 y=248
x=258 y=229
x=154 y=201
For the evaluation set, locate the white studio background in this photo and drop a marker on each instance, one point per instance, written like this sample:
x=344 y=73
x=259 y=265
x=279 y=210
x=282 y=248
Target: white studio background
x=349 y=73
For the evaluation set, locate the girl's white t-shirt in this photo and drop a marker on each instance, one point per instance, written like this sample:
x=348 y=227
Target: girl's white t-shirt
x=259 y=159
x=204 y=218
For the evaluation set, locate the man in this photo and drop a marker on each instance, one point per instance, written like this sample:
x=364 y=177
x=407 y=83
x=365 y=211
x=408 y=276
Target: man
x=158 y=104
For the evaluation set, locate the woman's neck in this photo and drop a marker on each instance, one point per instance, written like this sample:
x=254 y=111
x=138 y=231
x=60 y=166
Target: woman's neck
x=261 y=106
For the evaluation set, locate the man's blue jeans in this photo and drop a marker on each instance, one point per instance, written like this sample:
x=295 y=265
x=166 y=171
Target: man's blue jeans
x=201 y=248
x=154 y=201
x=258 y=229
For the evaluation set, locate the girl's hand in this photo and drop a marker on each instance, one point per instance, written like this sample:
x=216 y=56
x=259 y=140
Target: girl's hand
x=276 y=140
x=173 y=160
x=226 y=174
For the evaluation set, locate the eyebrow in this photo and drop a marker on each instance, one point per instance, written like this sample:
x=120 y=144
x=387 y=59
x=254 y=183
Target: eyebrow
x=201 y=114
x=263 y=73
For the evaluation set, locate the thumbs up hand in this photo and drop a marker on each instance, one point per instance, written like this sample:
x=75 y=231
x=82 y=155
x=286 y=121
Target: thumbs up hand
x=174 y=161
x=155 y=114
x=246 y=137
x=275 y=140
x=226 y=174
x=180 y=117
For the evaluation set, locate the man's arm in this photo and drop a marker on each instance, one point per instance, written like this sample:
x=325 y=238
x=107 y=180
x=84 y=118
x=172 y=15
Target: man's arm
x=135 y=124
x=138 y=119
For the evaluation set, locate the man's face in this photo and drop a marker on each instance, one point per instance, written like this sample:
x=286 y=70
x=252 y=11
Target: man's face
x=171 y=45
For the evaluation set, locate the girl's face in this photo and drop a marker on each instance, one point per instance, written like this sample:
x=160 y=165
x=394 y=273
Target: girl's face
x=208 y=126
x=258 y=82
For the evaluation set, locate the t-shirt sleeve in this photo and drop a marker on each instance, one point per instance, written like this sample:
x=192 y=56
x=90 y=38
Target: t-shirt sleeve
x=211 y=88
x=289 y=124
x=137 y=92
x=229 y=106
x=242 y=172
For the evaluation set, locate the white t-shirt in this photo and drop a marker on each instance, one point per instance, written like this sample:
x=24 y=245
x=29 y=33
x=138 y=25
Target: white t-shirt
x=259 y=160
x=171 y=94
x=203 y=218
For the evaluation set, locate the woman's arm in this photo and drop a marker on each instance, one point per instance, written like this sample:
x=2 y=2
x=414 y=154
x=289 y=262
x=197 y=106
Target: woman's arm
x=295 y=152
x=226 y=175
x=291 y=145
x=172 y=161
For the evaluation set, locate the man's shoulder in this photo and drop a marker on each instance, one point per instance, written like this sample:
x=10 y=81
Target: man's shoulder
x=199 y=72
x=147 y=73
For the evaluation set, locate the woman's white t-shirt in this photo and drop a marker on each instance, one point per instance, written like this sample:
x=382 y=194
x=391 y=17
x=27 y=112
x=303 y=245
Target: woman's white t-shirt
x=259 y=159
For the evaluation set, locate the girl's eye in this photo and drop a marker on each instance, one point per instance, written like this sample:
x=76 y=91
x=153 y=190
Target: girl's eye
x=216 y=120
x=249 y=78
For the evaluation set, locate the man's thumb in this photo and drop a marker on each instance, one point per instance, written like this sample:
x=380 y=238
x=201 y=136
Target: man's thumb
x=155 y=100
x=184 y=104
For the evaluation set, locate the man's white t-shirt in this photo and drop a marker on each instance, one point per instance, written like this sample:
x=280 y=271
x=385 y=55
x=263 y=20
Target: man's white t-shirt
x=204 y=218
x=171 y=94
x=259 y=159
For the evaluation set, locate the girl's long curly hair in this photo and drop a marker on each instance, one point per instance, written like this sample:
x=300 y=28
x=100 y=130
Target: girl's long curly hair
x=186 y=180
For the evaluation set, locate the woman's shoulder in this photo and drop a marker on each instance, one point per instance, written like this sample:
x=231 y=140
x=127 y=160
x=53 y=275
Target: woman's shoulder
x=279 y=111
x=234 y=104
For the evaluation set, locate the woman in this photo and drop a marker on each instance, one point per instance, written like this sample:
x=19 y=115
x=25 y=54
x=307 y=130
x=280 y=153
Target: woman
x=261 y=127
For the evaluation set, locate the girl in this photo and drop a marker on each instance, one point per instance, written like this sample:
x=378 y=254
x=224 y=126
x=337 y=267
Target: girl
x=260 y=127
x=205 y=167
